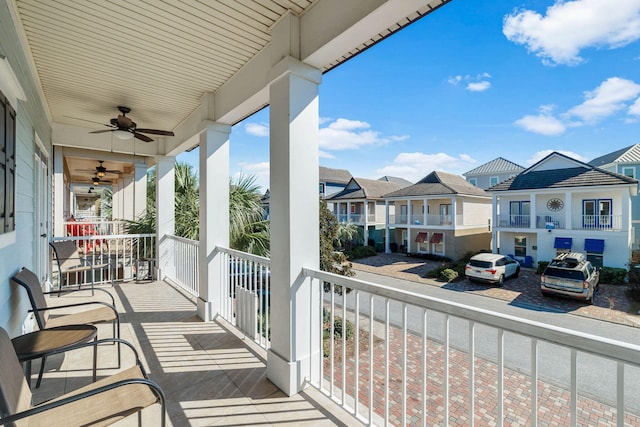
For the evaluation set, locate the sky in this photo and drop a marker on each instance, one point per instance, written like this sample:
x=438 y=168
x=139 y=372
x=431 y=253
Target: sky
x=470 y=82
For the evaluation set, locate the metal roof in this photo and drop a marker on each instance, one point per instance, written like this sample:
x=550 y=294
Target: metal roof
x=496 y=166
x=629 y=154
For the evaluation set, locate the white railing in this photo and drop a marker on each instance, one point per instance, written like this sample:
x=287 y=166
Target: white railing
x=397 y=219
x=514 y=221
x=597 y=222
x=184 y=255
x=245 y=293
x=417 y=219
x=123 y=252
x=436 y=219
x=550 y=221
x=342 y=217
x=371 y=217
x=419 y=360
x=357 y=218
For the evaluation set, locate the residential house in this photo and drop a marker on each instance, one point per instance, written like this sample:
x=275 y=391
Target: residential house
x=400 y=181
x=625 y=161
x=333 y=181
x=493 y=172
x=441 y=214
x=362 y=203
x=561 y=204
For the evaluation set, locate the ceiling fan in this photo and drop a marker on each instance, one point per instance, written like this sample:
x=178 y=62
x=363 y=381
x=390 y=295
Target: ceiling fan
x=100 y=170
x=124 y=127
x=97 y=181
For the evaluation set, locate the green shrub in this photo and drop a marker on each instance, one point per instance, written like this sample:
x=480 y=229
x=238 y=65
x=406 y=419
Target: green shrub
x=613 y=276
x=634 y=281
x=361 y=252
x=337 y=328
x=448 y=274
x=541 y=266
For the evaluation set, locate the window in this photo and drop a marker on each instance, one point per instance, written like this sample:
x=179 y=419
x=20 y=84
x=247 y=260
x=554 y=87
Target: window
x=353 y=209
x=596 y=213
x=630 y=172
x=445 y=214
x=437 y=243
x=519 y=212
x=473 y=181
x=494 y=180
x=595 y=251
x=7 y=165
x=322 y=189
x=520 y=246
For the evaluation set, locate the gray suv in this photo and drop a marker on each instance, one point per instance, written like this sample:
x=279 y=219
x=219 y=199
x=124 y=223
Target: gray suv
x=570 y=275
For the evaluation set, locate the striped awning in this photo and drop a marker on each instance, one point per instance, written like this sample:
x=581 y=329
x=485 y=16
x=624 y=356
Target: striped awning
x=421 y=237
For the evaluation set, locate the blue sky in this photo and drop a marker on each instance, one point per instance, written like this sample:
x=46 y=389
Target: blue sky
x=471 y=82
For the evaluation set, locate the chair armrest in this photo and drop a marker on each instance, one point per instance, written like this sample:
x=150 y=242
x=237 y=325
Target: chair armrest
x=78 y=304
x=10 y=419
x=113 y=301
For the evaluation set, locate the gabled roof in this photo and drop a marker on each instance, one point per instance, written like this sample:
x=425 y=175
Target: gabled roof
x=439 y=183
x=361 y=188
x=340 y=176
x=496 y=166
x=400 y=181
x=629 y=154
x=578 y=175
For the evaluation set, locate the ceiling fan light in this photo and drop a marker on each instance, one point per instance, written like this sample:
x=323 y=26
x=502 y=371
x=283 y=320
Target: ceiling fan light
x=123 y=134
x=96 y=181
x=100 y=174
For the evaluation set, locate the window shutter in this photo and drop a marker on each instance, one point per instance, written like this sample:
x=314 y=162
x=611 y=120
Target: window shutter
x=10 y=139
x=3 y=163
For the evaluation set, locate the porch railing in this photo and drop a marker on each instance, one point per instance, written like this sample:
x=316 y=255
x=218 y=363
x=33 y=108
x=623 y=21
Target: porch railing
x=418 y=360
x=94 y=227
x=246 y=294
x=121 y=251
x=184 y=271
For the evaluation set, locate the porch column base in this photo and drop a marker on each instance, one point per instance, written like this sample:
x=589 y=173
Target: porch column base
x=205 y=310
x=287 y=376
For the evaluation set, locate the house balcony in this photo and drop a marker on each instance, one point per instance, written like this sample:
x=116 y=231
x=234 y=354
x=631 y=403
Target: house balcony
x=410 y=359
x=578 y=222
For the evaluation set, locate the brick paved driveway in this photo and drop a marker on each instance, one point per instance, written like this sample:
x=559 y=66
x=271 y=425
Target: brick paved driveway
x=611 y=303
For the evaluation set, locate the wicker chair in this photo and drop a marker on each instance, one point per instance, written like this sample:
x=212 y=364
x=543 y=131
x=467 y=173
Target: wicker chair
x=101 y=403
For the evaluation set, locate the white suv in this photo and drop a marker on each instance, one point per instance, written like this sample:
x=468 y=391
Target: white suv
x=492 y=268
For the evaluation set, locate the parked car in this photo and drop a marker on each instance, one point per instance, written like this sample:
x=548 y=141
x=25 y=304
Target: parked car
x=570 y=275
x=491 y=268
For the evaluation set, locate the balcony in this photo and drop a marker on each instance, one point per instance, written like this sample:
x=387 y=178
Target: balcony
x=578 y=222
x=412 y=359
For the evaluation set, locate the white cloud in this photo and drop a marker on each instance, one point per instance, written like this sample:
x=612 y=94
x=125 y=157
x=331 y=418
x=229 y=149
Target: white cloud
x=571 y=26
x=544 y=153
x=635 y=108
x=345 y=134
x=257 y=129
x=607 y=99
x=478 y=83
x=543 y=124
x=325 y=155
x=479 y=86
x=415 y=166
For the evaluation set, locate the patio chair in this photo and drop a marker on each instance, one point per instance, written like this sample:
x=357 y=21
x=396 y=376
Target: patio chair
x=101 y=403
x=70 y=261
x=103 y=313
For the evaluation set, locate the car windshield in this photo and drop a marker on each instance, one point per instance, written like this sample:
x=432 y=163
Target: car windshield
x=564 y=274
x=481 y=264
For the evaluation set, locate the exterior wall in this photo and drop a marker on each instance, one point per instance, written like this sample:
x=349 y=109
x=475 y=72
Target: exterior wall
x=17 y=248
x=483 y=181
x=381 y=213
x=456 y=242
x=476 y=212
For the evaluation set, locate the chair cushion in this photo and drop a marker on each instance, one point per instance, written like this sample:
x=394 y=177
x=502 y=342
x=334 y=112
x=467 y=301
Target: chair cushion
x=88 y=317
x=102 y=409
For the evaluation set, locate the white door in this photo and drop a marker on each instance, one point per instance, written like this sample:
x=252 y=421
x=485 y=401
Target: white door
x=41 y=206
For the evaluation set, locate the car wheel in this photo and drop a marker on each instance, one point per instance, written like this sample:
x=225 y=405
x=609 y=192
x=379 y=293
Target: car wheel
x=501 y=280
x=515 y=275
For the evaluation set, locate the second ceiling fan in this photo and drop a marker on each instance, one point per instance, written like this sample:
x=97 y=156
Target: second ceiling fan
x=127 y=127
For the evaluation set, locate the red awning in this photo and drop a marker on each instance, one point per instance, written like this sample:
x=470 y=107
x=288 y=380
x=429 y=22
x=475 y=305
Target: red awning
x=436 y=238
x=421 y=237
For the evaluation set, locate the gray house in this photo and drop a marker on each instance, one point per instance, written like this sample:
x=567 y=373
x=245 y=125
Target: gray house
x=492 y=173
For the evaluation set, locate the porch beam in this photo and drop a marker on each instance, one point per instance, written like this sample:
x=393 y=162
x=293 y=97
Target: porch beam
x=294 y=123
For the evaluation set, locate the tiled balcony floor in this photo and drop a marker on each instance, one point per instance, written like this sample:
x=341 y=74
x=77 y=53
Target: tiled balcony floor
x=209 y=373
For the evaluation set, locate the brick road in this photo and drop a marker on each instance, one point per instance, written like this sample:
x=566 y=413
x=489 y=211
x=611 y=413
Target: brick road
x=553 y=400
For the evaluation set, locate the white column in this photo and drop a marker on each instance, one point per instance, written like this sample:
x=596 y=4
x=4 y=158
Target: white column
x=425 y=210
x=295 y=242
x=568 y=211
x=165 y=213
x=494 y=215
x=532 y=213
x=60 y=190
x=214 y=215
x=128 y=197
x=140 y=191
x=348 y=212
x=387 y=231
x=454 y=211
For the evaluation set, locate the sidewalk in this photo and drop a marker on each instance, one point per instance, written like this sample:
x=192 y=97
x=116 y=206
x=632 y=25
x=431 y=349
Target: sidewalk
x=611 y=303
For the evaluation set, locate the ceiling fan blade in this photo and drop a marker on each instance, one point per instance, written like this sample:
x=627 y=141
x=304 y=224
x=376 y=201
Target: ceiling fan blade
x=114 y=172
x=104 y=130
x=142 y=137
x=156 y=132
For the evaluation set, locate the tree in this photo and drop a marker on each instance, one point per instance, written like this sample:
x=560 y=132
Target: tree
x=248 y=231
x=331 y=260
x=347 y=231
